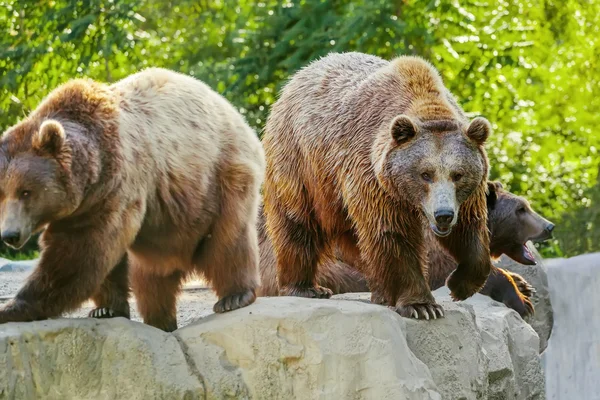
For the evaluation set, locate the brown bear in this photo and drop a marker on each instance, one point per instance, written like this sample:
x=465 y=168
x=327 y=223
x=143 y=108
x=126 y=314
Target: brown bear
x=511 y=221
x=157 y=173
x=361 y=154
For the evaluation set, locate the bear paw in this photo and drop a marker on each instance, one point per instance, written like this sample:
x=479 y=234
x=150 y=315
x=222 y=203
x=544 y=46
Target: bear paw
x=234 y=301
x=420 y=311
x=524 y=287
x=520 y=304
x=461 y=288
x=316 y=292
x=19 y=311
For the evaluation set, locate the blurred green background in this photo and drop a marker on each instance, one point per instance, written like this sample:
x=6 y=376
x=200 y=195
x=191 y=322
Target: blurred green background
x=529 y=66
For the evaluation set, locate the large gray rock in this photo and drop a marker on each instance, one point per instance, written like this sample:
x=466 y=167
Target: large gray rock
x=572 y=359
x=284 y=348
x=480 y=350
x=537 y=275
x=279 y=348
x=452 y=348
x=511 y=345
x=93 y=359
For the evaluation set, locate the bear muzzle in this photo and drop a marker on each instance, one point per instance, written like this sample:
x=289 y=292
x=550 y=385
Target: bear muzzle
x=443 y=222
x=13 y=238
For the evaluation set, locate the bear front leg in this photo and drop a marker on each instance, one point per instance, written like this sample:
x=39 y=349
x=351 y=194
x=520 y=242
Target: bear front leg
x=71 y=269
x=524 y=287
x=112 y=298
x=501 y=287
x=469 y=245
x=298 y=245
x=396 y=266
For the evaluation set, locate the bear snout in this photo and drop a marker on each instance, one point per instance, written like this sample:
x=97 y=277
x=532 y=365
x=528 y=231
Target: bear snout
x=11 y=237
x=443 y=218
x=546 y=233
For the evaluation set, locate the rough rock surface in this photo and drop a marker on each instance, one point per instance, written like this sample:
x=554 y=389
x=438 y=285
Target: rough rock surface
x=92 y=359
x=480 y=350
x=537 y=276
x=280 y=348
x=572 y=359
x=511 y=345
x=307 y=349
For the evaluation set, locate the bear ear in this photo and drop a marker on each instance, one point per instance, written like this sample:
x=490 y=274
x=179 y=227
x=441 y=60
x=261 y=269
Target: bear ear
x=479 y=130
x=403 y=129
x=50 y=138
x=492 y=194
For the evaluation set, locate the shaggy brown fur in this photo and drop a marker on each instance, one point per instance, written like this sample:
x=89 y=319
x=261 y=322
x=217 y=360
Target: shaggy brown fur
x=337 y=276
x=361 y=153
x=511 y=221
x=157 y=165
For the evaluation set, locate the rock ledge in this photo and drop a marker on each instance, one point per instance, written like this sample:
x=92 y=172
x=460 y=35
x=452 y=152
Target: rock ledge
x=280 y=348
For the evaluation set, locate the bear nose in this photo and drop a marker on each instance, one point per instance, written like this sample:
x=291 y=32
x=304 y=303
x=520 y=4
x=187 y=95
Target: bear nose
x=444 y=217
x=11 y=237
x=550 y=228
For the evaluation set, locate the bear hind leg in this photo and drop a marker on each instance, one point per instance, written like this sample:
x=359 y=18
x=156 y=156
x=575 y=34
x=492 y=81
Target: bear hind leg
x=298 y=243
x=156 y=297
x=232 y=273
x=228 y=257
x=112 y=298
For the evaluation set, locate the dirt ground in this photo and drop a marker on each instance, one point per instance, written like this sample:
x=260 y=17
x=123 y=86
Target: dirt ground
x=195 y=302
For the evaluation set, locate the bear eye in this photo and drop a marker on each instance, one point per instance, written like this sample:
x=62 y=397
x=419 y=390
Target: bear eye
x=426 y=177
x=457 y=177
x=25 y=194
x=521 y=210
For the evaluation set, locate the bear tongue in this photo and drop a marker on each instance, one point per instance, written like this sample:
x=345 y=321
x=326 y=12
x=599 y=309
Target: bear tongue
x=528 y=255
x=522 y=255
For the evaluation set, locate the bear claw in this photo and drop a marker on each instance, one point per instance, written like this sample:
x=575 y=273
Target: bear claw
x=234 y=301
x=524 y=287
x=108 y=312
x=421 y=311
x=316 y=292
x=529 y=306
x=102 y=312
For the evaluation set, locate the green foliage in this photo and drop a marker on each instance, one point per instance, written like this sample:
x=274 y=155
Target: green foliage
x=529 y=66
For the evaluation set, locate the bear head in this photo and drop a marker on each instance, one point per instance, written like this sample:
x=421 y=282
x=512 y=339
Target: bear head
x=53 y=157
x=512 y=224
x=435 y=165
x=35 y=185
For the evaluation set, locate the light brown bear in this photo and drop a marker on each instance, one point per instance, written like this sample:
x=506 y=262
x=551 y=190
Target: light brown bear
x=511 y=221
x=361 y=154
x=157 y=166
